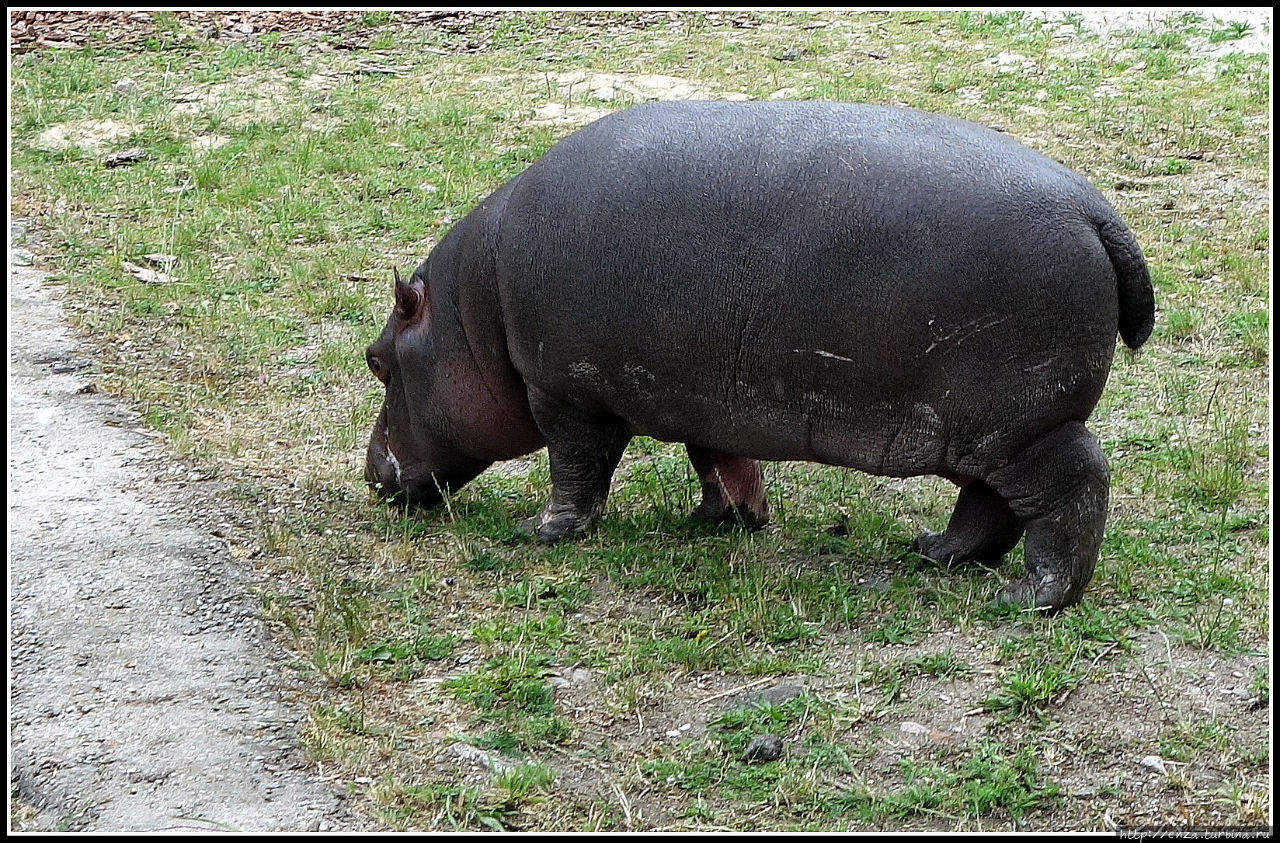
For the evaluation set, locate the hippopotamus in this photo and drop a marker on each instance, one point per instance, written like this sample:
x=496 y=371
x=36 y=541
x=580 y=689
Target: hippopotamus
x=878 y=288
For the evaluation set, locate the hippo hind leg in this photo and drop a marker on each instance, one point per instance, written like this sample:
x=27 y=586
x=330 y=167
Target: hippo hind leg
x=982 y=529
x=583 y=450
x=1059 y=488
x=732 y=489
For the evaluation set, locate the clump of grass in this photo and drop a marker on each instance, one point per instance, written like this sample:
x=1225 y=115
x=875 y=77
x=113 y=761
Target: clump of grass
x=943 y=664
x=1260 y=684
x=902 y=627
x=1216 y=470
x=734 y=729
x=1233 y=31
x=1252 y=328
x=523 y=781
x=424 y=646
x=988 y=782
x=510 y=695
x=1030 y=690
x=1183 y=741
x=437 y=805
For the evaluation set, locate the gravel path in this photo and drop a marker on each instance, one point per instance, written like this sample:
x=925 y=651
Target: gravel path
x=140 y=698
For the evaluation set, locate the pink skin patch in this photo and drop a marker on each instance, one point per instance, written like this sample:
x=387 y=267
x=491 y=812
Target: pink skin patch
x=732 y=487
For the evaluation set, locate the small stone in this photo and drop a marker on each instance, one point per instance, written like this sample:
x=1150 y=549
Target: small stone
x=1153 y=762
x=124 y=156
x=127 y=87
x=922 y=733
x=763 y=748
x=775 y=695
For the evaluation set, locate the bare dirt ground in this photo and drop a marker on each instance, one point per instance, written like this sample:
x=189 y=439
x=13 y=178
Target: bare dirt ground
x=144 y=694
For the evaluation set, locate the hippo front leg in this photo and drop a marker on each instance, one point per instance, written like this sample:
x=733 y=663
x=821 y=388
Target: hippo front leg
x=732 y=489
x=583 y=450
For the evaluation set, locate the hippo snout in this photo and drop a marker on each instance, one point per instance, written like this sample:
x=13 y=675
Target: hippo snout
x=412 y=486
x=381 y=468
x=380 y=476
x=393 y=485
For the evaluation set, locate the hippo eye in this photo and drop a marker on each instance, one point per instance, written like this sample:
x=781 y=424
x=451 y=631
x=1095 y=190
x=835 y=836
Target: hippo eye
x=375 y=366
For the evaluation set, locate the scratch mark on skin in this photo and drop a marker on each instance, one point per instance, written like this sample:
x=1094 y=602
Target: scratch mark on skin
x=963 y=332
x=391 y=458
x=822 y=353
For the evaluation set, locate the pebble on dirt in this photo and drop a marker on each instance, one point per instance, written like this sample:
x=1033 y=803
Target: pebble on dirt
x=763 y=748
x=125 y=156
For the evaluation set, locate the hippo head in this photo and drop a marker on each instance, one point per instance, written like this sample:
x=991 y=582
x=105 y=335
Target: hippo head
x=418 y=449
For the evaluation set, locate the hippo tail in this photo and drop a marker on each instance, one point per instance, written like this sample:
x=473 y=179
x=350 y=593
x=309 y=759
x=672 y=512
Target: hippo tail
x=1133 y=282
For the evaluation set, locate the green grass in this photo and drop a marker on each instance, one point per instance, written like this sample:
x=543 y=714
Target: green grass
x=448 y=807
x=287 y=185
x=1030 y=690
x=977 y=780
x=988 y=782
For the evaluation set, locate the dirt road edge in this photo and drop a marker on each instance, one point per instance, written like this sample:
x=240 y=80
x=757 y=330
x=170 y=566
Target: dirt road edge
x=143 y=692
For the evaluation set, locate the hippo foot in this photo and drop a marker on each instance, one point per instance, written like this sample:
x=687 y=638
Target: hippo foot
x=550 y=528
x=1046 y=593
x=728 y=516
x=937 y=548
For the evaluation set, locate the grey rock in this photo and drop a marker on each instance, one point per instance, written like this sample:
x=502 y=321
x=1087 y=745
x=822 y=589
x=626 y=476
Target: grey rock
x=763 y=748
x=774 y=695
x=125 y=156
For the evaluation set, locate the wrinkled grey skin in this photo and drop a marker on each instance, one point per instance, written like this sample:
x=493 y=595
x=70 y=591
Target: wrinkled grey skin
x=879 y=288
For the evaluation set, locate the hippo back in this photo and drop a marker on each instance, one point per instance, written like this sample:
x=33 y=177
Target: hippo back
x=867 y=286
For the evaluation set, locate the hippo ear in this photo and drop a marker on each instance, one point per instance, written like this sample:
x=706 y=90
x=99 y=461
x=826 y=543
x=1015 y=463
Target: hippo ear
x=411 y=300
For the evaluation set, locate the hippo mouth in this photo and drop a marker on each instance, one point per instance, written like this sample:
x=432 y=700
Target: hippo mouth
x=395 y=484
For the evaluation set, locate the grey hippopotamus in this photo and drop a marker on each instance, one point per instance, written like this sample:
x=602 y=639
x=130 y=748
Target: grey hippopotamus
x=874 y=287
